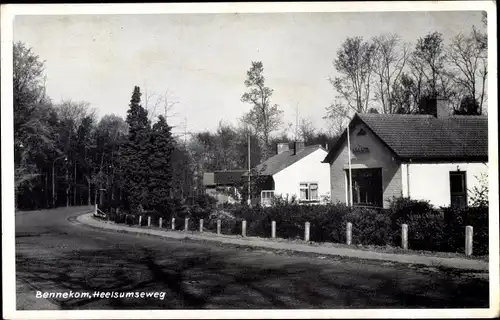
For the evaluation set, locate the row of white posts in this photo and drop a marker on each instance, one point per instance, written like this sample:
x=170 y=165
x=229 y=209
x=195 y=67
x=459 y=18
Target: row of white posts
x=307 y=233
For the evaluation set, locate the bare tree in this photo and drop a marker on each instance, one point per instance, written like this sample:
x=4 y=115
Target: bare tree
x=389 y=62
x=355 y=64
x=428 y=61
x=307 y=131
x=337 y=118
x=156 y=104
x=264 y=117
x=468 y=55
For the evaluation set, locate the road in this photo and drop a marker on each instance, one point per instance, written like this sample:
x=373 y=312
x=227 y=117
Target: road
x=54 y=253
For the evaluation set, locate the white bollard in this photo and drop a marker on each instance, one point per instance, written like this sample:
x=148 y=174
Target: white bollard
x=273 y=229
x=349 y=234
x=244 y=228
x=201 y=225
x=404 y=236
x=186 y=224
x=160 y=224
x=149 y=221
x=95 y=209
x=468 y=240
x=218 y=226
x=173 y=223
x=307 y=231
x=140 y=221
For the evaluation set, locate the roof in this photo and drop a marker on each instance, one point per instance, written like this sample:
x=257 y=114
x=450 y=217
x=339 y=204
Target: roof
x=283 y=160
x=425 y=137
x=229 y=177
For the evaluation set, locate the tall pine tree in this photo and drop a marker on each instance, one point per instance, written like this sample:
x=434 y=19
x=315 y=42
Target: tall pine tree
x=135 y=153
x=160 y=182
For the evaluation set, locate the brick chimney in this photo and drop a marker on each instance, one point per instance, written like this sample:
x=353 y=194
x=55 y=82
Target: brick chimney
x=442 y=108
x=298 y=146
x=282 y=147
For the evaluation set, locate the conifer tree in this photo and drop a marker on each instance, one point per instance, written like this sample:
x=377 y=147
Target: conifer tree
x=160 y=182
x=135 y=153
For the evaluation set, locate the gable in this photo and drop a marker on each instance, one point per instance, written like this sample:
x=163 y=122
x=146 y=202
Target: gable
x=362 y=145
x=367 y=149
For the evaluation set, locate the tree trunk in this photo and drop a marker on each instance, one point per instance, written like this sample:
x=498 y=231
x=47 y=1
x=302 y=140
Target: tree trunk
x=67 y=187
x=89 y=201
x=74 y=187
x=46 y=191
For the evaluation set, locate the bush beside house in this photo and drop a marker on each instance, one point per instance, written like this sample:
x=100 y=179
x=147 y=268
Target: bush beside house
x=429 y=228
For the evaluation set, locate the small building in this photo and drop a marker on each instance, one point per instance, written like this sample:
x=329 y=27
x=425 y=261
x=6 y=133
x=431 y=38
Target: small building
x=223 y=185
x=294 y=172
x=425 y=157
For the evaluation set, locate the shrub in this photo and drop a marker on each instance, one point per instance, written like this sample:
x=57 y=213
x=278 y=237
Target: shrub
x=403 y=208
x=370 y=226
x=479 y=194
x=228 y=222
x=326 y=221
x=441 y=229
x=457 y=219
x=425 y=223
x=426 y=231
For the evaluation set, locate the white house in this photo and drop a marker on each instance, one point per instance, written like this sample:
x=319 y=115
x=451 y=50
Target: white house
x=295 y=172
x=425 y=157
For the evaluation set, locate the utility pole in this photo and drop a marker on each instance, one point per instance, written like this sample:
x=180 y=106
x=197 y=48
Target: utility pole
x=249 y=168
x=185 y=148
x=185 y=132
x=297 y=121
x=349 y=161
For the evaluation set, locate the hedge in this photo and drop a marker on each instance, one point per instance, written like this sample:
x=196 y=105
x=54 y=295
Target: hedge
x=429 y=228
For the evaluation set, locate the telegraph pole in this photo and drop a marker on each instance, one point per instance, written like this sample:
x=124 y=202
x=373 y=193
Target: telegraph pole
x=249 y=168
x=349 y=160
x=297 y=122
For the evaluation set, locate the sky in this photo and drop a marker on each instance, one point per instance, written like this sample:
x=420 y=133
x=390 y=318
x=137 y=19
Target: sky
x=202 y=59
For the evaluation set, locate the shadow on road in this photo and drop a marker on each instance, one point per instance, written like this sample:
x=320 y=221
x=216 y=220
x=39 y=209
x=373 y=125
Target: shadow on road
x=196 y=279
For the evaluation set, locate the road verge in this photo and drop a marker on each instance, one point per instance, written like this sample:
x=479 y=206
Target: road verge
x=454 y=263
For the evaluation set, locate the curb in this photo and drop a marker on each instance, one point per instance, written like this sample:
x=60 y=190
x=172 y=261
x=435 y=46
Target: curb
x=453 y=263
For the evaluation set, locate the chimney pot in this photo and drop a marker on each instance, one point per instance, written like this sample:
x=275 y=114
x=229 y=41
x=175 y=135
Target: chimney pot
x=442 y=108
x=298 y=146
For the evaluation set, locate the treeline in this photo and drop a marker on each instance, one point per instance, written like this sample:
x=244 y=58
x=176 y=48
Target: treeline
x=65 y=156
x=386 y=75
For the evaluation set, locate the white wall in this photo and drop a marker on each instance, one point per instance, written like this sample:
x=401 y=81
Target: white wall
x=308 y=169
x=432 y=181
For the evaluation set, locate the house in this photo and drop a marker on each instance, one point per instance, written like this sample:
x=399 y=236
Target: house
x=425 y=157
x=293 y=172
x=222 y=185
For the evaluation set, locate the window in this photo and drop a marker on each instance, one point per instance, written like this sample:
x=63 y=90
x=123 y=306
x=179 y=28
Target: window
x=366 y=187
x=266 y=197
x=458 y=189
x=309 y=191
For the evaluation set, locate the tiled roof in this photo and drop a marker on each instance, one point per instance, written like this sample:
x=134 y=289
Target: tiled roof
x=425 y=137
x=222 y=178
x=283 y=160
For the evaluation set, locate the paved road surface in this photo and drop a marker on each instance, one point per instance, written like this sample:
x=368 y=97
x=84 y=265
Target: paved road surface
x=54 y=253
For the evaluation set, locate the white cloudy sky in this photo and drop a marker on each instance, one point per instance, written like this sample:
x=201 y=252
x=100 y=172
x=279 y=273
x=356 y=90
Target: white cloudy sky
x=202 y=59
